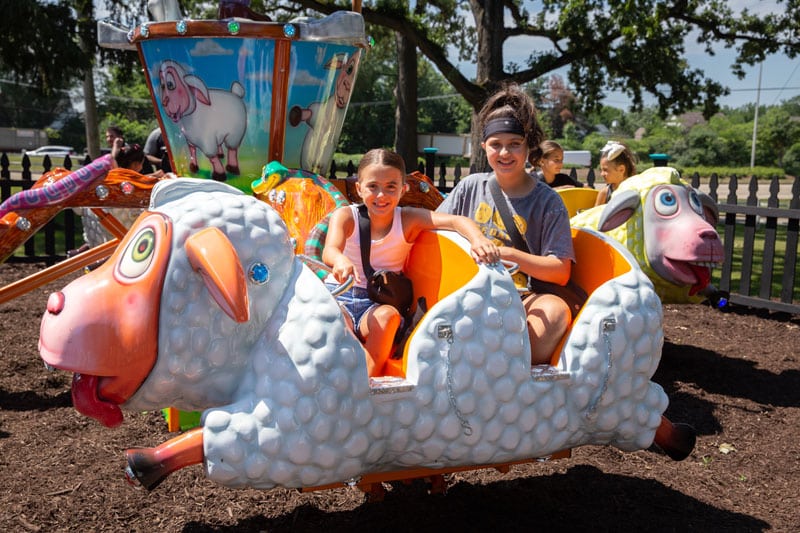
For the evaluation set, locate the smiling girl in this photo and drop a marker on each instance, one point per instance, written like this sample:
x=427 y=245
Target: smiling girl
x=393 y=229
x=511 y=139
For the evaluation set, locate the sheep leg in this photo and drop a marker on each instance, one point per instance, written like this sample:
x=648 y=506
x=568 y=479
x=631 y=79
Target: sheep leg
x=233 y=161
x=217 y=171
x=677 y=440
x=148 y=467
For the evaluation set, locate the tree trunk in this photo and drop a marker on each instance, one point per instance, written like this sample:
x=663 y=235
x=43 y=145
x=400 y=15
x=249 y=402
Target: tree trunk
x=90 y=115
x=86 y=23
x=489 y=74
x=405 y=117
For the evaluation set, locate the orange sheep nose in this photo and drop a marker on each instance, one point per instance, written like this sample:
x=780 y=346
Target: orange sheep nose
x=55 y=302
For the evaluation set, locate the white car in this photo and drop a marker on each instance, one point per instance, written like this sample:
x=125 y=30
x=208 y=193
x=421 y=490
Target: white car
x=52 y=150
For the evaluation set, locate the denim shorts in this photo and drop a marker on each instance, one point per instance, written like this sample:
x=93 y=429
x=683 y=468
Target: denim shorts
x=355 y=301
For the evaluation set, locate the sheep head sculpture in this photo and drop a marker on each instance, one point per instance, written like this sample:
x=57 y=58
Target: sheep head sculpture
x=669 y=228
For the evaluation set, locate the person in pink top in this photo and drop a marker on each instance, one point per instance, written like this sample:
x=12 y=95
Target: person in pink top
x=393 y=229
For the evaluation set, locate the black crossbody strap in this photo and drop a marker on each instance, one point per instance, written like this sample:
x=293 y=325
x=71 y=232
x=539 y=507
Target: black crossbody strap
x=365 y=239
x=503 y=208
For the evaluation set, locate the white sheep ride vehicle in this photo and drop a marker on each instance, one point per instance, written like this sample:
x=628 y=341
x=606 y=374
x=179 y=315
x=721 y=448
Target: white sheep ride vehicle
x=204 y=306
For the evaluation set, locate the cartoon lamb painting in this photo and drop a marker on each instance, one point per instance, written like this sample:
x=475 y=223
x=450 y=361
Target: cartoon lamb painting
x=204 y=306
x=669 y=228
x=208 y=118
x=324 y=119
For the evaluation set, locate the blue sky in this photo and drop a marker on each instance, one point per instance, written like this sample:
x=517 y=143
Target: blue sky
x=780 y=77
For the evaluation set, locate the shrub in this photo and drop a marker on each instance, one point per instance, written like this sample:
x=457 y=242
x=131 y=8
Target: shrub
x=791 y=160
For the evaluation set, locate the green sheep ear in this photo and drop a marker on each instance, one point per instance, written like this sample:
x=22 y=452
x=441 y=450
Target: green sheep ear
x=618 y=210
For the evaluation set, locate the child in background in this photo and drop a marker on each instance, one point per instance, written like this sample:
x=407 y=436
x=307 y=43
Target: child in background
x=381 y=183
x=550 y=165
x=127 y=156
x=511 y=139
x=617 y=163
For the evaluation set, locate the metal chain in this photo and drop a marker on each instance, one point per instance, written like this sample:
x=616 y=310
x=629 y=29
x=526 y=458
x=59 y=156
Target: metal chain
x=608 y=325
x=446 y=332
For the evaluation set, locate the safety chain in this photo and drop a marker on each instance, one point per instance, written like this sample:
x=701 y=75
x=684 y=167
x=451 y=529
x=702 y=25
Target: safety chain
x=446 y=332
x=608 y=325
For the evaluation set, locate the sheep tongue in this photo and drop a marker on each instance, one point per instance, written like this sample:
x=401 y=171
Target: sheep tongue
x=703 y=275
x=86 y=401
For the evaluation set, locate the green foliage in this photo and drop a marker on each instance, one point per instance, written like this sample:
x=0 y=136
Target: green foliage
x=791 y=160
x=126 y=94
x=726 y=171
x=39 y=44
x=370 y=116
x=438 y=111
x=134 y=131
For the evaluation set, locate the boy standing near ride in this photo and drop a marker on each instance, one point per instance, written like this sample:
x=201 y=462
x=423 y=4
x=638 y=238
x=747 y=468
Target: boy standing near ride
x=511 y=139
x=393 y=229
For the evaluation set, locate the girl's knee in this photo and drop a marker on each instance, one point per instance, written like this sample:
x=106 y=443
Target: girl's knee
x=386 y=315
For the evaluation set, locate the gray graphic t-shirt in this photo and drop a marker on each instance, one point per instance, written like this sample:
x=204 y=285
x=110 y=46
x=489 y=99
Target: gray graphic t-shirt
x=540 y=215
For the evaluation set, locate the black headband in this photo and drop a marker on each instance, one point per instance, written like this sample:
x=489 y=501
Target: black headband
x=503 y=125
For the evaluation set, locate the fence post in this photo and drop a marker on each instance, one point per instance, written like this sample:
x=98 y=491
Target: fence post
x=430 y=161
x=5 y=177
x=590 y=178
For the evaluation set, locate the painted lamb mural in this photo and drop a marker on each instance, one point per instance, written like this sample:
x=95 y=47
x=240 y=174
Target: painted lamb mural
x=204 y=306
x=212 y=120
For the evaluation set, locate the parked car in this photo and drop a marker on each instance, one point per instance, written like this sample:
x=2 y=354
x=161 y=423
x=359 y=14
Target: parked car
x=52 y=150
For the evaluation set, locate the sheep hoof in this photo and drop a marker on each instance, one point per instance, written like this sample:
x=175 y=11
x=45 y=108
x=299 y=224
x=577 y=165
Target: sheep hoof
x=219 y=176
x=233 y=169
x=192 y=167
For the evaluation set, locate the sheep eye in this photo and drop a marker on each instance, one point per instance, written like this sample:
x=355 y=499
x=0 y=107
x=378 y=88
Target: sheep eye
x=666 y=203
x=138 y=255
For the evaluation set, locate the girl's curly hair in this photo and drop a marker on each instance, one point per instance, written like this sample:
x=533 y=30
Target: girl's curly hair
x=511 y=101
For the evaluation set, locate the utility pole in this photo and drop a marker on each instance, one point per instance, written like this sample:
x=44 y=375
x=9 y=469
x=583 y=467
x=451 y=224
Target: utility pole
x=755 y=119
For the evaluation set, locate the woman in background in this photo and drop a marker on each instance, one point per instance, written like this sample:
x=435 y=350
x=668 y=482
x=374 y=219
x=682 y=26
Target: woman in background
x=550 y=166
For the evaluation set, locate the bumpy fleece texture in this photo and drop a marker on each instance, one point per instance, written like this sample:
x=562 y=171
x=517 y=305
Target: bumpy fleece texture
x=286 y=396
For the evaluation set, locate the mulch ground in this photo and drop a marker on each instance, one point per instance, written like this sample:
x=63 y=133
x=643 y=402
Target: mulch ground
x=733 y=375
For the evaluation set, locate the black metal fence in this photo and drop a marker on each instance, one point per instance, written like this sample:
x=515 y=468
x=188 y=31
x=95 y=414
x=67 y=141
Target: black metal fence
x=759 y=233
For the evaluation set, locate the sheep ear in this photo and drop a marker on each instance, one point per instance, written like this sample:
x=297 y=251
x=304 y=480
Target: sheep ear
x=198 y=88
x=618 y=210
x=710 y=208
x=212 y=255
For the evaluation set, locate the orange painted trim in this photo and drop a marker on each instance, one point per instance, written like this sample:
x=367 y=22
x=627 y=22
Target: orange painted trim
x=280 y=95
x=173 y=420
x=153 y=92
x=59 y=270
x=417 y=473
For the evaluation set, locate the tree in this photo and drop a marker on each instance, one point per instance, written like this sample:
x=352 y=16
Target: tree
x=56 y=47
x=634 y=47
